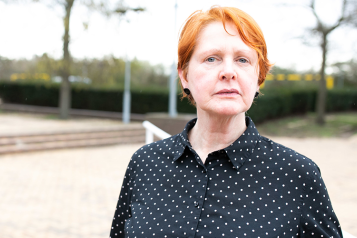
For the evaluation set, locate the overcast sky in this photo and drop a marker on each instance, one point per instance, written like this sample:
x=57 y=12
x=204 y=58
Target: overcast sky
x=34 y=29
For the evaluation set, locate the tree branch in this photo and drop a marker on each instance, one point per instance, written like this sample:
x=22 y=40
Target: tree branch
x=312 y=7
x=103 y=7
x=320 y=27
x=342 y=18
x=123 y=10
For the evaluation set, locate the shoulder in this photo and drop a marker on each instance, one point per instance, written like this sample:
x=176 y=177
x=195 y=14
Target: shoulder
x=165 y=147
x=286 y=156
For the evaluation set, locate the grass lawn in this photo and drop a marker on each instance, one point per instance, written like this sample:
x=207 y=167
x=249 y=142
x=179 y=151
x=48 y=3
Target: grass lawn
x=337 y=125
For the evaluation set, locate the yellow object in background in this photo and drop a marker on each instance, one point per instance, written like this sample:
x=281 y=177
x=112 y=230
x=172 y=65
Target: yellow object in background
x=45 y=77
x=269 y=77
x=13 y=77
x=294 y=77
x=329 y=82
x=262 y=85
x=280 y=77
x=299 y=77
x=24 y=76
x=309 y=77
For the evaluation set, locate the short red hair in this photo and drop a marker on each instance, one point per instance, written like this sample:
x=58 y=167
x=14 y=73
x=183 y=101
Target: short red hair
x=248 y=30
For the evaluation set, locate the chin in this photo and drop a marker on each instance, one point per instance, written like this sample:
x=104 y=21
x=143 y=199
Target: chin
x=224 y=108
x=229 y=110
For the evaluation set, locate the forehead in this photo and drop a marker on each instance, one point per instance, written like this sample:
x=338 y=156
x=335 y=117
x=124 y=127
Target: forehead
x=217 y=26
x=214 y=35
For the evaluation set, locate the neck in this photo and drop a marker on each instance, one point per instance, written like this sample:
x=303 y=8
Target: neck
x=215 y=132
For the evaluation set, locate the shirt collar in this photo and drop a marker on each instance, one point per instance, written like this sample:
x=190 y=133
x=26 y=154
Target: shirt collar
x=238 y=152
x=182 y=139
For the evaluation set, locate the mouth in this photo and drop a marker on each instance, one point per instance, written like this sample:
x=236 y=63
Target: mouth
x=228 y=92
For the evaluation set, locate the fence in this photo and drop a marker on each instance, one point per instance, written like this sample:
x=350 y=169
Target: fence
x=299 y=77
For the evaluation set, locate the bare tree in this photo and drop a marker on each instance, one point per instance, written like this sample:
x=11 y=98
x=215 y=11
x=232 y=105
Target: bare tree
x=67 y=5
x=348 y=16
x=102 y=6
x=65 y=92
x=99 y=5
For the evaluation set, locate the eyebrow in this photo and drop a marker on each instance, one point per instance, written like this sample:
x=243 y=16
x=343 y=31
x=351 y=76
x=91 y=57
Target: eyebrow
x=216 y=50
x=210 y=51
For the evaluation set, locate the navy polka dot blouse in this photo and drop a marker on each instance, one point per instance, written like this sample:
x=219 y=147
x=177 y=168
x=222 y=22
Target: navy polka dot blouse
x=253 y=188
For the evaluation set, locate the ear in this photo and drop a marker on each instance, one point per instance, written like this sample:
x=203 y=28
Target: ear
x=184 y=82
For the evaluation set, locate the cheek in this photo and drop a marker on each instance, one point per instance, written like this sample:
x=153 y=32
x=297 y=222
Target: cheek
x=199 y=81
x=250 y=85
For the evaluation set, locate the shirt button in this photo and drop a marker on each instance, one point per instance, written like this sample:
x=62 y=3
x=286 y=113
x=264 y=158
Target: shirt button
x=195 y=203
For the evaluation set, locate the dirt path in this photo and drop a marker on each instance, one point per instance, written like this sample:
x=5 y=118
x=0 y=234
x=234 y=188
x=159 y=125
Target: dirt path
x=73 y=193
x=61 y=194
x=22 y=123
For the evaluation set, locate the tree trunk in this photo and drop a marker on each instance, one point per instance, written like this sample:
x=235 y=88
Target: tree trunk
x=321 y=96
x=65 y=91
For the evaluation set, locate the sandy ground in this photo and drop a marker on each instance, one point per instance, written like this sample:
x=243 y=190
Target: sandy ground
x=73 y=193
x=22 y=123
x=61 y=194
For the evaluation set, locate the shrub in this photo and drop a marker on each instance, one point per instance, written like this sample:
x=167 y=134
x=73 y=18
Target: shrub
x=89 y=98
x=278 y=103
x=275 y=103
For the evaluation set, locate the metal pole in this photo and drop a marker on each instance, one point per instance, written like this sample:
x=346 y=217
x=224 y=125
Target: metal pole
x=173 y=92
x=173 y=84
x=127 y=95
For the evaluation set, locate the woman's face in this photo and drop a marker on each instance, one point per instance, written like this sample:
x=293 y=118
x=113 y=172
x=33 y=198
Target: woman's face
x=222 y=72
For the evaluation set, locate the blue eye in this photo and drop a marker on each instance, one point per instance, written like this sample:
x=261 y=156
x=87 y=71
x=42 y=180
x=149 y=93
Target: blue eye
x=211 y=59
x=243 y=60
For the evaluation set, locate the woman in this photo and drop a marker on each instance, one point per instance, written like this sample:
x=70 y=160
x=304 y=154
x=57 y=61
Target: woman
x=219 y=177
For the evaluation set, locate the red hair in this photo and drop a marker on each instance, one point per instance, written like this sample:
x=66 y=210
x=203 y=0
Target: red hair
x=248 y=29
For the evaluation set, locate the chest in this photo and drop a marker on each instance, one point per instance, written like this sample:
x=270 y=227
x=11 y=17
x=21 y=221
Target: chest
x=186 y=199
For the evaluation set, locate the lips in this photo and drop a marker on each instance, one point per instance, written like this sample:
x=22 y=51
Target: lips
x=228 y=92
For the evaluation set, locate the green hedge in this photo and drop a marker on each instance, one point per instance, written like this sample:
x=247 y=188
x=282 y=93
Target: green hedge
x=91 y=99
x=273 y=104
x=282 y=103
x=30 y=94
x=341 y=100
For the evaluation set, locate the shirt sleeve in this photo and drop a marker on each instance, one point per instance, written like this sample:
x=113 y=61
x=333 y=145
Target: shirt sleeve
x=318 y=218
x=123 y=211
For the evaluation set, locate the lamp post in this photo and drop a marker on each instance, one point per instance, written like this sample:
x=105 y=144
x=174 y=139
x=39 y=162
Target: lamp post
x=173 y=83
x=127 y=94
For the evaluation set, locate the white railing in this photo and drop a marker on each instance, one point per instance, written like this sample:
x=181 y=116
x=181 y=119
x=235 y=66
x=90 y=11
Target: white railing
x=152 y=130
x=347 y=235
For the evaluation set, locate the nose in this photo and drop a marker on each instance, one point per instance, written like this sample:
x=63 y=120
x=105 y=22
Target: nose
x=228 y=72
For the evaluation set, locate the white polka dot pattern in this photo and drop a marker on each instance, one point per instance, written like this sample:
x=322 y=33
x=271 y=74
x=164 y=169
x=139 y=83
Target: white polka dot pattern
x=253 y=188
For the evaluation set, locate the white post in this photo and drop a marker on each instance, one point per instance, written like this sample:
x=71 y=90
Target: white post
x=127 y=95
